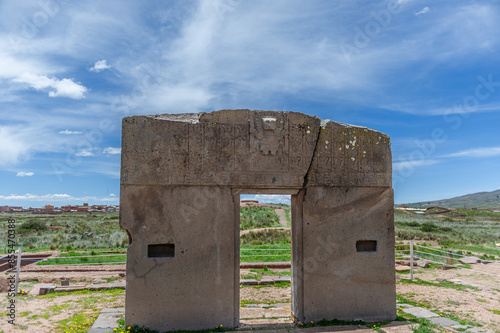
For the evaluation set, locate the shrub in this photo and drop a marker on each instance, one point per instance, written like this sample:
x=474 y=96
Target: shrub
x=33 y=225
x=413 y=224
x=429 y=227
x=266 y=237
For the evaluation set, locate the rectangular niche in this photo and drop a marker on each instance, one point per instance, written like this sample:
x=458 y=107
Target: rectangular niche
x=366 y=246
x=161 y=250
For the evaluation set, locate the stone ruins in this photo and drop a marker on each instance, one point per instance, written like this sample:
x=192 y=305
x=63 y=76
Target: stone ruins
x=181 y=180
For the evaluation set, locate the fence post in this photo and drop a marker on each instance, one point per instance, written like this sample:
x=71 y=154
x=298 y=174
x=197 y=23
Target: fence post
x=411 y=259
x=18 y=268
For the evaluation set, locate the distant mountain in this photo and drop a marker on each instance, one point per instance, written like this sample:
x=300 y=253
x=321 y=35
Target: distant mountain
x=483 y=200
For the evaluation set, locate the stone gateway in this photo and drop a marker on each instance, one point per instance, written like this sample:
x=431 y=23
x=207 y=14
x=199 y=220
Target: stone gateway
x=181 y=180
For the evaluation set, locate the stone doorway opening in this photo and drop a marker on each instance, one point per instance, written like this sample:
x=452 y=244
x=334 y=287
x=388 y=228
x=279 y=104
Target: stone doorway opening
x=265 y=293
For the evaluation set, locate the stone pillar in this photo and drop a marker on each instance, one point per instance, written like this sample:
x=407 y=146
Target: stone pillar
x=180 y=263
x=348 y=254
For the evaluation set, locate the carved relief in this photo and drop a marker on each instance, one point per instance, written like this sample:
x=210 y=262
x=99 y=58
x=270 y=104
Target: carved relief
x=249 y=147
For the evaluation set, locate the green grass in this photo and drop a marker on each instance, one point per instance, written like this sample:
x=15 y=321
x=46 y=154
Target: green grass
x=479 y=214
x=80 y=322
x=443 y=284
x=281 y=284
x=38 y=232
x=265 y=245
x=478 y=232
x=267 y=252
x=258 y=217
x=267 y=271
x=266 y=237
x=288 y=217
x=257 y=274
x=84 y=292
x=85 y=257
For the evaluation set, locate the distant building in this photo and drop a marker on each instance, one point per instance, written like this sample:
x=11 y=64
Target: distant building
x=9 y=209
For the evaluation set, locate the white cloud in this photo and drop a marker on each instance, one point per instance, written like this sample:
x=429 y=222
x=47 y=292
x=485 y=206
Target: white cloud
x=57 y=88
x=58 y=198
x=406 y=166
x=112 y=151
x=268 y=198
x=85 y=153
x=13 y=145
x=96 y=151
x=68 y=132
x=24 y=174
x=192 y=74
x=99 y=66
x=423 y=11
x=477 y=152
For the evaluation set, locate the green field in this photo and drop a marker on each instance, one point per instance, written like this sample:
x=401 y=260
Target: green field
x=477 y=231
x=86 y=258
x=65 y=232
x=82 y=237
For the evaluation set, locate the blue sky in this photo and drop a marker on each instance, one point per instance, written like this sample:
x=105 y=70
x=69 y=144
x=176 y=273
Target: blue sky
x=425 y=72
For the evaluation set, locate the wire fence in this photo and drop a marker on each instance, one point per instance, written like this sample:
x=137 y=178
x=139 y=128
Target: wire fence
x=246 y=255
x=267 y=255
x=409 y=251
x=417 y=252
x=447 y=259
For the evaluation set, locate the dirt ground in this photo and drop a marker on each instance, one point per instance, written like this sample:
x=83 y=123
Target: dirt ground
x=50 y=313
x=478 y=306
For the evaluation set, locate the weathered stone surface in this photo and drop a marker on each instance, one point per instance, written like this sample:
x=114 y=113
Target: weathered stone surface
x=107 y=320
x=403 y=305
x=348 y=155
x=469 y=260
x=420 y=312
x=338 y=280
x=423 y=263
x=252 y=148
x=4 y=284
x=46 y=288
x=477 y=330
x=402 y=268
x=106 y=286
x=194 y=288
x=461 y=327
x=181 y=180
x=63 y=289
x=442 y=321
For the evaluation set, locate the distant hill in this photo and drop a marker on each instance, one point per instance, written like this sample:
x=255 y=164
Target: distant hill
x=483 y=200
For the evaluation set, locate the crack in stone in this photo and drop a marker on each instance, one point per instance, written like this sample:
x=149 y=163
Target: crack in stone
x=306 y=176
